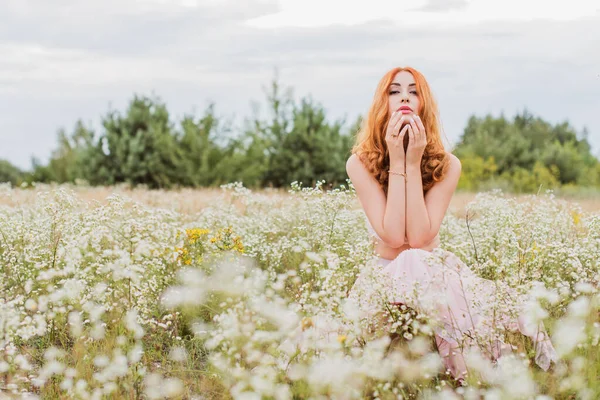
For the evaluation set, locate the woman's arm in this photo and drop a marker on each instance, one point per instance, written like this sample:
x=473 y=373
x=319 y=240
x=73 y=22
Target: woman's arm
x=386 y=216
x=426 y=213
x=394 y=219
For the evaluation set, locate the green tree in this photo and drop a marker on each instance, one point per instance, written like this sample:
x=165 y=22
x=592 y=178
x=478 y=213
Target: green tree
x=10 y=173
x=476 y=170
x=199 y=149
x=567 y=156
x=298 y=143
x=141 y=148
x=526 y=148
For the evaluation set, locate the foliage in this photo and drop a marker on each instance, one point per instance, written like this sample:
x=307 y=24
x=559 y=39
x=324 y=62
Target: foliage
x=10 y=173
x=143 y=147
x=293 y=140
x=526 y=153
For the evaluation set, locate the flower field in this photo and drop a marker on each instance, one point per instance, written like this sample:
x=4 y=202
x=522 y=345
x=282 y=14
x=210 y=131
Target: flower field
x=146 y=295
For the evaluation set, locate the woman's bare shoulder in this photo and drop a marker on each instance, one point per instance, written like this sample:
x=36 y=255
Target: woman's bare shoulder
x=354 y=162
x=451 y=156
x=454 y=162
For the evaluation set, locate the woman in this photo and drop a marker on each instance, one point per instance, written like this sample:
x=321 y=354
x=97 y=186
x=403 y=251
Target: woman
x=404 y=180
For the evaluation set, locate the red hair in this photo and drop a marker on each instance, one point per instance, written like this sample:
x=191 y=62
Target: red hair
x=370 y=145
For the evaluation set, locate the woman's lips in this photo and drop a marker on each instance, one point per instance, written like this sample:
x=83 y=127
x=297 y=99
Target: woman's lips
x=405 y=111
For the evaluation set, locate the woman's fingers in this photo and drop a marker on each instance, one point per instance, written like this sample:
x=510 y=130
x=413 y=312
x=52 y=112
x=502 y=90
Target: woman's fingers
x=403 y=131
x=390 y=124
x=422 y=133
x=415 y=128
x=420 y=124
x=398 y=125
x=396 y=116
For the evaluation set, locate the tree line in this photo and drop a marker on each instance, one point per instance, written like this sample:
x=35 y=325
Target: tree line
x=295 y=141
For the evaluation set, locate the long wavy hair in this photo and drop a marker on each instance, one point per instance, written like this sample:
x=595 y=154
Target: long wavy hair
x=370 y=145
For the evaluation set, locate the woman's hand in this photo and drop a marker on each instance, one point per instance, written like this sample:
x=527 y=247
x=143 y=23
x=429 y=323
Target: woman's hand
x=394 y=138
x=417 y=141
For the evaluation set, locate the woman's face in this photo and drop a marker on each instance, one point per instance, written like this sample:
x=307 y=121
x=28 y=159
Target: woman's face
x=403 y=94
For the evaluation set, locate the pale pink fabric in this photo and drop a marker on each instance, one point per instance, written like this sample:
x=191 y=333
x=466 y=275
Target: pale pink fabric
x=441 y=284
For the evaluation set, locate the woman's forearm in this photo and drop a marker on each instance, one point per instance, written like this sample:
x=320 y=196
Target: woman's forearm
x=394 y=219
x=418 y=225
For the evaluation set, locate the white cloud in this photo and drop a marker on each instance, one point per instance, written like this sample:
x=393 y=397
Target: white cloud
x=102 y=53
x=317 y=13
x=32 y=64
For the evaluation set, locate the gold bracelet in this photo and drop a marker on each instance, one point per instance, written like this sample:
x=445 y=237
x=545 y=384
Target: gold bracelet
x=397 y=173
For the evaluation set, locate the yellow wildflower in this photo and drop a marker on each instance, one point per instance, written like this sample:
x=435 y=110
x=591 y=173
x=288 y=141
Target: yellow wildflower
x=194 y=234
x=306 y=323
x=576 y=217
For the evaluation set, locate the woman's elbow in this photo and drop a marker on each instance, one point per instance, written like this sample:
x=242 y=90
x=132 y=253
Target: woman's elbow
x=417 y=243
x=388 y=242
x=395 y=244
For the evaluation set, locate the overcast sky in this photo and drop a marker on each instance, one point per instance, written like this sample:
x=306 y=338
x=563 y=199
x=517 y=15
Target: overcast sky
x=68 y=59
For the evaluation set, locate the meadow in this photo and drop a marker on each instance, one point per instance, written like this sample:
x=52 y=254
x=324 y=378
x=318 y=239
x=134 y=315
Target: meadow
x=232 y=293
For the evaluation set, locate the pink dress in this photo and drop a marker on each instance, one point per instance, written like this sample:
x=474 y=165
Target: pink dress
x=466 y=310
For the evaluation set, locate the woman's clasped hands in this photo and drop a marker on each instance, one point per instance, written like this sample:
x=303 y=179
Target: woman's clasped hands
x=417 y=138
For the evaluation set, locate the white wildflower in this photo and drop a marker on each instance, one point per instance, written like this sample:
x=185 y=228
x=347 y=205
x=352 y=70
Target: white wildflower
x=172 y=387
x=31 y=305
x=178 y=354
x=567 y=335
x=97 y=332
x=580 y=307
x=335 y=373
x=131 y=322
x=585 y=287
x=155 y=387
x=314 y=257
x=75 y=323
x=135 y=354
x=101 y=361
x=4 y=366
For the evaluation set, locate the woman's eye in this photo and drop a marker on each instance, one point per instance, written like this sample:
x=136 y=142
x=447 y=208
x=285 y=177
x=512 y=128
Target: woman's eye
x=414 y=92
x=394 y=92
